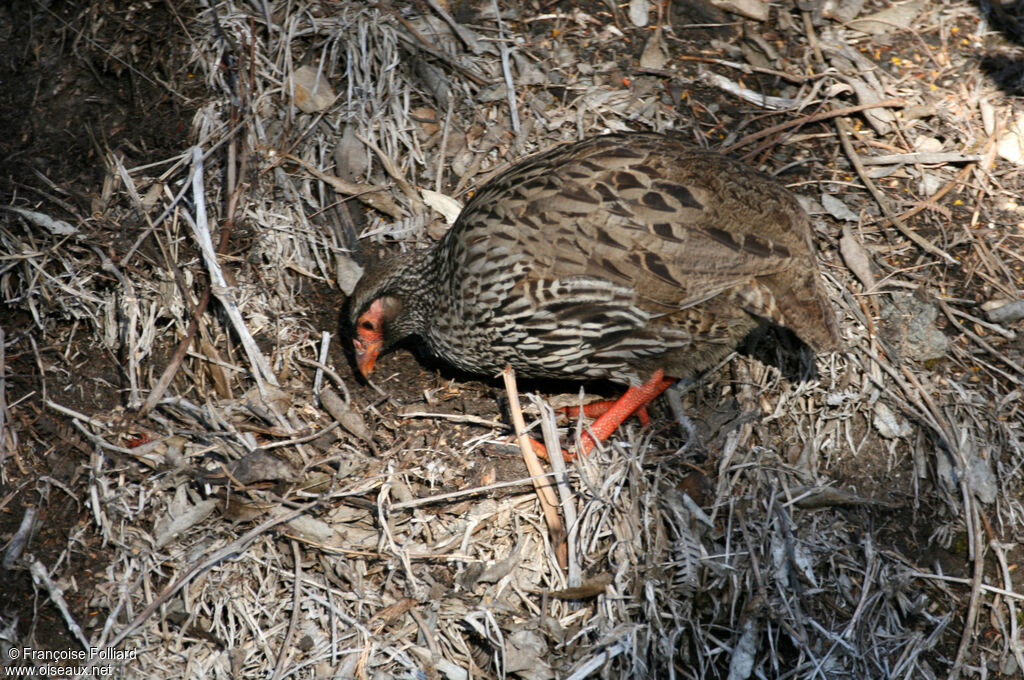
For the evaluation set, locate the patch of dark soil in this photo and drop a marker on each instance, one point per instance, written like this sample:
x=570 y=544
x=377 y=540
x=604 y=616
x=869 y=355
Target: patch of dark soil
x=74 y=87
x=51 y=464
x=77 y=81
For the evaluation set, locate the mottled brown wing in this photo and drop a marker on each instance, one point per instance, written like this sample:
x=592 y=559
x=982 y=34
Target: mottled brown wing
x=594 y=244
x=654 y=222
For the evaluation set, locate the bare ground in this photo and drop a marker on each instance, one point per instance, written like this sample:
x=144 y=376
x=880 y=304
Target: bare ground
x=862 y=521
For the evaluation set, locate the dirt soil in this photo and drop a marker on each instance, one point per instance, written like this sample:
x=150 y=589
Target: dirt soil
x=75 y=90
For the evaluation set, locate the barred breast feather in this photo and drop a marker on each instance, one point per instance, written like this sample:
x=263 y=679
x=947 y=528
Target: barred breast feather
x=609 y=258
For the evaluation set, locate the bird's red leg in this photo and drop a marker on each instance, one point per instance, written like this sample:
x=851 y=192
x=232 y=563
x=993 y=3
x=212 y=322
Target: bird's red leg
x=596 y=409
x=634 y=399
x=611 y=414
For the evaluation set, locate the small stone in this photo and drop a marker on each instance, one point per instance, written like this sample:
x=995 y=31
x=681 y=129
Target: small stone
x=908 y=326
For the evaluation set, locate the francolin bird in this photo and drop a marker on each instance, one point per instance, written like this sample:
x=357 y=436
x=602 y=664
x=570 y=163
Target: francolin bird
x=630 y=257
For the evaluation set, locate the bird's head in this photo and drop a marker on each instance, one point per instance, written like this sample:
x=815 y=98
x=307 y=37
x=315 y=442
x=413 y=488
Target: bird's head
x=372 y=331
x=388 y=304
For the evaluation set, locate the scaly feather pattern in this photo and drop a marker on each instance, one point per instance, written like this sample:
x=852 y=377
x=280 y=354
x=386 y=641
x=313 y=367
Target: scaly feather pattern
x=612 y=258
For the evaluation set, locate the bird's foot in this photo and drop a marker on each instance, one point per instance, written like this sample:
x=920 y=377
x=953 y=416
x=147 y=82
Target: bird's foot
x=611 y=414
x=596 y=409
x=633 y=400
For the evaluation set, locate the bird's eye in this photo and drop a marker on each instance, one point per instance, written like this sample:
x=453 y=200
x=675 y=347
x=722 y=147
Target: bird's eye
x=368 y=325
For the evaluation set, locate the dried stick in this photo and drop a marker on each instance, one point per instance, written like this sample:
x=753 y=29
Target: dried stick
x=7 y=441
x=851 y=153
x=463 y=493
x=506 y=69
x=574 y=575
x=201 y=229
x=962 y=327
x=465 y=35
x=813 y=118
x=284 y=653
x=370 y=194
x=1014 y=641
x=548 y=501
x=42 y=577
x=971 y=619
x=157 y=393
x=389 y=167
x=961 y=176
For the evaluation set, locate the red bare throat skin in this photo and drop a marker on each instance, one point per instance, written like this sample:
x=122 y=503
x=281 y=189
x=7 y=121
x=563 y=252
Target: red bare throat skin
x=369 y=337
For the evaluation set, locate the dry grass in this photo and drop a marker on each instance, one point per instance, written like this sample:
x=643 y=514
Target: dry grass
x=249 y=520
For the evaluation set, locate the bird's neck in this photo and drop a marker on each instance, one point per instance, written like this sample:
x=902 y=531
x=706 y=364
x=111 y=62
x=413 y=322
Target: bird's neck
x=419 y=285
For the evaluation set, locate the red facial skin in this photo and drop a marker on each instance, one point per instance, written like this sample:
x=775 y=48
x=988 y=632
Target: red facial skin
x=369 y=337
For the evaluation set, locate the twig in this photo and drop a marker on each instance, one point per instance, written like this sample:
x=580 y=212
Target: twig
x=284 y=652
x=763 y=100
x=465 y=35
x=16 y=545
x=455 y=418
x=956 y=181
x=321 y=367
x=980 y=341
x=994 y=327
x=178 y=197
x=158 y=390
x=41 y=576
x=546 y=495
x=974 y=605
x=806 y=120
x=73 y=413
x=923 y=158
x=506 y=69
x=392 y=170
x=301 y=439
x=960 y=580
x=318 y=379
x=372 y=195
x=128 y=304
x=739 y=66
x=599 y=659
x=442 y=156
x=1014 y=641
x=574 y=575
x=851 y=153
x=261 y=370
x=474 y=491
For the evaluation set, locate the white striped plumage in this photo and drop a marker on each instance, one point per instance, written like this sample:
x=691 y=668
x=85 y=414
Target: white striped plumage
x=609 y=258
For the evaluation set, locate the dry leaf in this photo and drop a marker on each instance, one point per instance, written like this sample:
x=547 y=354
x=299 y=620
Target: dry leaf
x=351 y=420
x=891 y=19
x=221 y=383
x=589 y=588
x=752 y=9
x=348 y=272
x=311 y=90
x=856 y=258
x=442 y=203
x=887 y=424
x=55 y=227
x=655 y=55
x=350 y=159
x=427 y=118
x=638 y=10
x=1011 y=144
